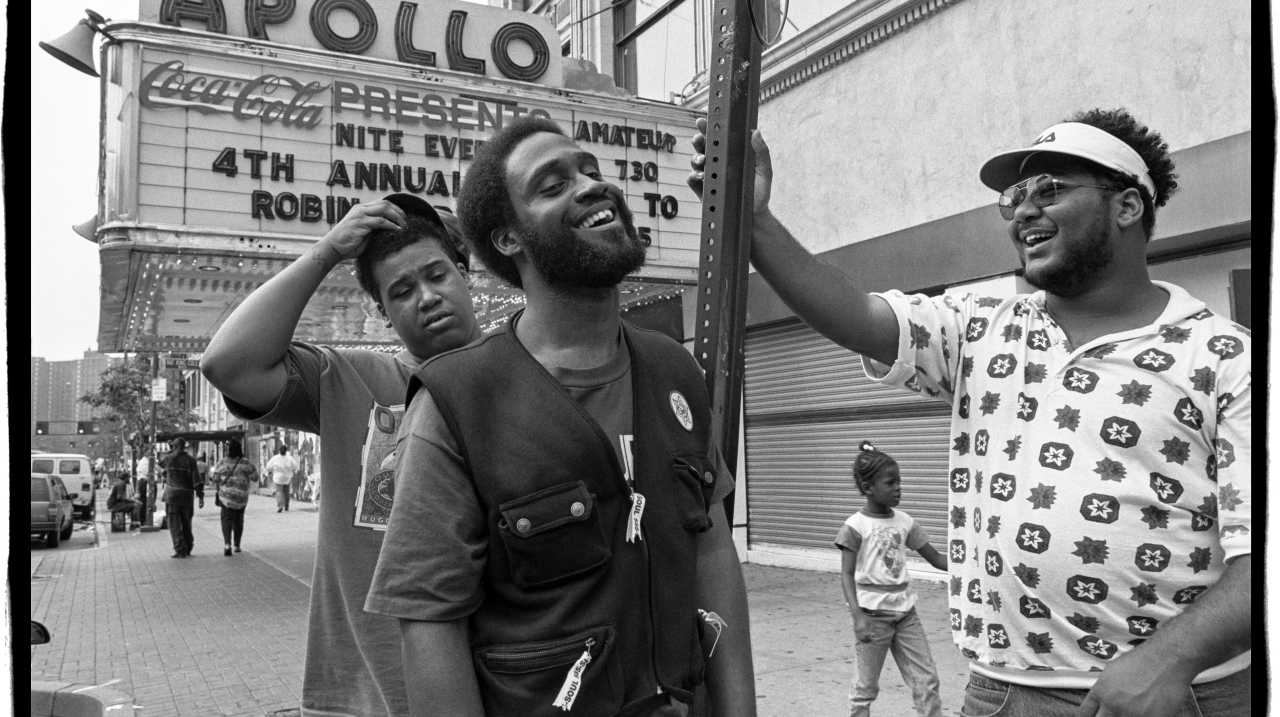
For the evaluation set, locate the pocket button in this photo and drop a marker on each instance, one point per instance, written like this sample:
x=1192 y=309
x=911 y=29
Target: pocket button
x=577 y=509
x=523 y=525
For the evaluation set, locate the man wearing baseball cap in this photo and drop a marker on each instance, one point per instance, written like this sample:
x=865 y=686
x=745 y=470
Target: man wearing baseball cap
x=415 y=271
x=1100 y=480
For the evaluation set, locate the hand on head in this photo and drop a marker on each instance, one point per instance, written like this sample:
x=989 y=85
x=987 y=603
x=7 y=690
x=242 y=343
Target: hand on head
x=348 y=236
x=763 y=166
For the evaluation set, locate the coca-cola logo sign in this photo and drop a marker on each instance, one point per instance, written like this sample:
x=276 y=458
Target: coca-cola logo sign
x=269 y=97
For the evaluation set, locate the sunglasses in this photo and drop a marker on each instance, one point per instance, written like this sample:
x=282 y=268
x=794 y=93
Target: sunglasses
x=1041 y=191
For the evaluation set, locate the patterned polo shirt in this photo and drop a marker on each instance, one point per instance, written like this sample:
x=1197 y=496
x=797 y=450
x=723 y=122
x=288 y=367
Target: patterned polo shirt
x=1095 y=491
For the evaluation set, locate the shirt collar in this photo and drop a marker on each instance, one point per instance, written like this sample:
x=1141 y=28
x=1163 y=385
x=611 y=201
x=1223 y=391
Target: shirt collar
x=1181 y=304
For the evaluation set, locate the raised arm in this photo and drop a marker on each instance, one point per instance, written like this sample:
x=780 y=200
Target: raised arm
x=245 y=358
x=820 y=294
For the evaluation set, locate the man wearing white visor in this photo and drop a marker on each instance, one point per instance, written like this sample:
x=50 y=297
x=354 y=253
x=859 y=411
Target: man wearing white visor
x=1100 y=480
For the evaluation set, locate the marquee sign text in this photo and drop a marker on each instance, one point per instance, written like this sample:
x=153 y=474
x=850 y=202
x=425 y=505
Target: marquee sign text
x=461 y=37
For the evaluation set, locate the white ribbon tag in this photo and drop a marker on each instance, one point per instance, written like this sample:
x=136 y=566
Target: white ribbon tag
x=573 y=680
x=633 y=521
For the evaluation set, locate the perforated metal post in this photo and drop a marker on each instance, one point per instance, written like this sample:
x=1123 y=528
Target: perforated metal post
x=728 y=181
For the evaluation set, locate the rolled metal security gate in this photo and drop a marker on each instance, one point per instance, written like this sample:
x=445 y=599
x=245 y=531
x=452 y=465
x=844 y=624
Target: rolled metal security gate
x=808 y=406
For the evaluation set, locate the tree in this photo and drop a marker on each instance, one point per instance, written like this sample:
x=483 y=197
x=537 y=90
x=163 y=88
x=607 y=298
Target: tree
x=124 y=391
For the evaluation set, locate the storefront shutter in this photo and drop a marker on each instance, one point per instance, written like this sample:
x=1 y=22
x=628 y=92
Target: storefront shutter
x=808 y=405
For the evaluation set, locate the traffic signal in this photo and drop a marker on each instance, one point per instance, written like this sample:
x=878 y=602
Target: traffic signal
x=83 y=427
x=182 y=394
x=42 y=428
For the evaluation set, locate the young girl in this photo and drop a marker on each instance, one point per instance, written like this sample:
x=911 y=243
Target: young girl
x=873 y=550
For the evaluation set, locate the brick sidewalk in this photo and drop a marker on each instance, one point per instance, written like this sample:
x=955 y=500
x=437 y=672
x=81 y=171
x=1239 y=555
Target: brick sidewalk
x=203 y=636
x=226 y=635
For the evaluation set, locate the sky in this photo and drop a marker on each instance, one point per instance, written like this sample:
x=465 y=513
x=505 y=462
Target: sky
x=64 y=138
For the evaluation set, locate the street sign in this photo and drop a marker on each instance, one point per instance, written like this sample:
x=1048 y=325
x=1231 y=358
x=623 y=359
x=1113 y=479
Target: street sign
x=182 y=363
x=159 y=389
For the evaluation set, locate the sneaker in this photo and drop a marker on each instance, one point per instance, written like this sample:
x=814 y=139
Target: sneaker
x=227 y=550
x=237 y=548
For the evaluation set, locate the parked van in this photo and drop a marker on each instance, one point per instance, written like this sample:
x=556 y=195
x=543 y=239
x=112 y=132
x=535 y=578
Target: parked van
x=76 y=475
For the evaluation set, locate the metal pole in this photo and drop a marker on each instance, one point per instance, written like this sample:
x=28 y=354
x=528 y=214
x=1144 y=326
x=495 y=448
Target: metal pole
x=149 y=492
x=728 y=185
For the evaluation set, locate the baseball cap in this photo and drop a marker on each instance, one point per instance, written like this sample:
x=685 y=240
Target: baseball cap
x=449 y=229
x=1074 y=139
x=417 y=206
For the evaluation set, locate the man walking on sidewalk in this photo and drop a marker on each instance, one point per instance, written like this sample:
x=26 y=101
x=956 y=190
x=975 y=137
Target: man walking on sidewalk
x=182 y=490
x=415 y=274
x=281 y=468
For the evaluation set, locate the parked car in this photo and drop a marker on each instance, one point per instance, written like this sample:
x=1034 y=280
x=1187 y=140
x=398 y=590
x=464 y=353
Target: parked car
x=76 y=473
x=50 y=509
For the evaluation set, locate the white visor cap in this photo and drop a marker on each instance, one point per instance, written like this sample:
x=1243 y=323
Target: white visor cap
x=1074 y=139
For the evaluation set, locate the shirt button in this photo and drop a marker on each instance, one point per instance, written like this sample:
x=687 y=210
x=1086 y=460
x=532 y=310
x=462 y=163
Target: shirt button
x=523 y=525
x=577 y=509
x=708 y=477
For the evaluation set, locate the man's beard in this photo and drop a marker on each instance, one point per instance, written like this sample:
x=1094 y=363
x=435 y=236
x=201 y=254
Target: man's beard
x=564 y=259
x=1078 y=267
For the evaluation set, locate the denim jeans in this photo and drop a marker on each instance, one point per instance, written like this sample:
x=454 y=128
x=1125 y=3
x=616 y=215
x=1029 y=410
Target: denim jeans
x=985 y=697
x=179 y=517
x=901 y=633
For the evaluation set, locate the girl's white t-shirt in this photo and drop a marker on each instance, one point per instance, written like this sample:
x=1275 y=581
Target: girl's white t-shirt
x=881 y=544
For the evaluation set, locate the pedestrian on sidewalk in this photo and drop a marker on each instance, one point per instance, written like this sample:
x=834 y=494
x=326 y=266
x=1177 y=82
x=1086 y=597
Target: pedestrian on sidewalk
x=1100 y=484
x=120 y=499
x=202 y=466
x=413 y=269
x=281 y=468
x=537 y=562
x=232 y=478
x=873 y=558
x=182 y=490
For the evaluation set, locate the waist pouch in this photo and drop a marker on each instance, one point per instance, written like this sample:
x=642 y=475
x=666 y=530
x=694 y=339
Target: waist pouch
x=536 y=679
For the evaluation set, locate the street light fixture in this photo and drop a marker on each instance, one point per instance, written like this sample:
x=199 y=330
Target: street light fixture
x=75 y=47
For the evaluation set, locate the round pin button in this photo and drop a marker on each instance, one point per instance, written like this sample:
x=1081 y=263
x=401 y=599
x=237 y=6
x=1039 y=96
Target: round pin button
x=523 y=525
x=577 y=509
x=708 y=477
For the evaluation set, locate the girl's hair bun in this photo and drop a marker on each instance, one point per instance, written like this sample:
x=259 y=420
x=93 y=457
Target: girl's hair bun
x=866 y=446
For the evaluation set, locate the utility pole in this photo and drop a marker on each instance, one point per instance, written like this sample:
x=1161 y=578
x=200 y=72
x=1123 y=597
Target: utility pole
x=727 y=193
x=149 y=489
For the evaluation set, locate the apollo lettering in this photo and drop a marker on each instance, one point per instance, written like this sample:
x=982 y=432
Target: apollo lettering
x=259 y=15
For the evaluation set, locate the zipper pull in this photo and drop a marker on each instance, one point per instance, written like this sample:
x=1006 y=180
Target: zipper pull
x=633 y=519
x=573 y=680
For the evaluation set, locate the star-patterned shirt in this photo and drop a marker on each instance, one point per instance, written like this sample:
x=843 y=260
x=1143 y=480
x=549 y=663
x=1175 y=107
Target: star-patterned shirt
x=1094 y=492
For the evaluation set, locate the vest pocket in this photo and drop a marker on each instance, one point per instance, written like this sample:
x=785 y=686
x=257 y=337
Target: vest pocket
x=577 y=674
x=552 y=534
x=695 y=480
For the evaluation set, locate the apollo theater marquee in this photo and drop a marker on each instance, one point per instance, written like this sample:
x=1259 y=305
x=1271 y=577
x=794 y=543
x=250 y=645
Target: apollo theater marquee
x=237 y=132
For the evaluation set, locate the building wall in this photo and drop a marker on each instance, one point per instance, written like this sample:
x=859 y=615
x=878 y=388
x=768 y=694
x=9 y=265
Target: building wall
x=894 y=136
x=56 y=388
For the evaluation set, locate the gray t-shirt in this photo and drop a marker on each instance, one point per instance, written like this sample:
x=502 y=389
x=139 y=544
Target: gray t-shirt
x=354 y=401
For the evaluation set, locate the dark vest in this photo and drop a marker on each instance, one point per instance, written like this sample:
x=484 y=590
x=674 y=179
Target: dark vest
x=560 y=577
